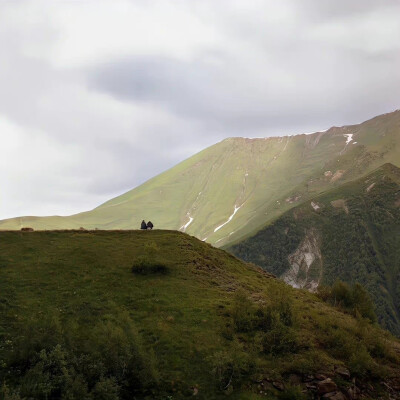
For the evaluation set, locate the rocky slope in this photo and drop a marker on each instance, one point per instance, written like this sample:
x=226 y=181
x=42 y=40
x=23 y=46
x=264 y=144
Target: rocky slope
x=351 y=233
x=229 y=190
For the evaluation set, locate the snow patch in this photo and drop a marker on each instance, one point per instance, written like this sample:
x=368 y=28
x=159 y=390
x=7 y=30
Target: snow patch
x=229 y=219
x=349 y=137
x=183 y=227
x=315 y=206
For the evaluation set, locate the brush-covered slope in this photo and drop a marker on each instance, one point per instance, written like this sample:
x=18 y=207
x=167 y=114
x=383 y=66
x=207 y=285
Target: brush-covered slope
x=351 y=233
x=226 y=191
x=76 y=322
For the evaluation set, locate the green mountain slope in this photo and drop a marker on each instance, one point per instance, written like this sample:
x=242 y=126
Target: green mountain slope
x=234 y=187
x=351 y=233
x=77 y=322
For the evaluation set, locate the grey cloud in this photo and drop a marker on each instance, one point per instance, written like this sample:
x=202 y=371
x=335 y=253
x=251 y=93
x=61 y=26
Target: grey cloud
x=120 y=121
x=323 y=86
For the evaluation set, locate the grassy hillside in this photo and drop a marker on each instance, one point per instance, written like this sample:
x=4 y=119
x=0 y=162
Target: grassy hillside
x=350 y=233
x=259 y=178
x=162 y=315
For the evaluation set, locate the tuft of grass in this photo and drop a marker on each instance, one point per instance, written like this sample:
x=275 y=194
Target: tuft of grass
x=144 y=266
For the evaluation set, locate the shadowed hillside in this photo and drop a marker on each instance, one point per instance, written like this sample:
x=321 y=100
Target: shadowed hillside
x=162 y=315
x=232 y=188
x=351 y=233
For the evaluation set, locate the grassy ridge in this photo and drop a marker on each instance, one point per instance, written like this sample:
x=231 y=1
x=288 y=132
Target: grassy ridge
x=357 y=227
x=76 y=322
x=257 y=174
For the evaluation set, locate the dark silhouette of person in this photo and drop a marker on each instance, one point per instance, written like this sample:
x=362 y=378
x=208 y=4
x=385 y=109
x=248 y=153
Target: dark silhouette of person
x=149 y=225
x=143 y=225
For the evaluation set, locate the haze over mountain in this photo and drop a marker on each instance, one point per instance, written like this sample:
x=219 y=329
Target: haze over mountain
x=235 y=187
x=351 y=233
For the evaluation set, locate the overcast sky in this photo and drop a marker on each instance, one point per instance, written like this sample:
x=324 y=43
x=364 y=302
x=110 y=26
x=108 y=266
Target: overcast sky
x=98 y=96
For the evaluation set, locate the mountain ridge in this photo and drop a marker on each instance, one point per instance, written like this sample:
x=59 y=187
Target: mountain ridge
x=197 y=197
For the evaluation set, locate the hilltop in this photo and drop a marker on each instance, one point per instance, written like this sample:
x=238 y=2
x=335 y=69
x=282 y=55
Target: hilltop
x=229 y=190
x=351 y=233
x=160 y=314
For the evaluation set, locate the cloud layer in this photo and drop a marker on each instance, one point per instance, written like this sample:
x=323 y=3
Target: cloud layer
x=98 y=96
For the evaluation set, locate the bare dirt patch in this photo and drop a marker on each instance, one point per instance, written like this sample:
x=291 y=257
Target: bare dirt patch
x=340 y=203
x=370 y=186
x=338 y=174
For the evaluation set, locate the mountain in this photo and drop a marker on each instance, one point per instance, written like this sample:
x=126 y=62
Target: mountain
x=229 y=190
x=159 y=314
x=351 y=233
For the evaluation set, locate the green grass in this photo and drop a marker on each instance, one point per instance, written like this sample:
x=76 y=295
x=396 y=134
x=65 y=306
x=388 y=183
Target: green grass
x=70 y=299
x=259 y=174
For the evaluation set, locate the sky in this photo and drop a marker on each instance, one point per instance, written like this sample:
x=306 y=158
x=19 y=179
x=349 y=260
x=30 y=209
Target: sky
x=98 y=96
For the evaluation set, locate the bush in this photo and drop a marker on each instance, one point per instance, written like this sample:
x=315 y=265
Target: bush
x=279 y=340
x=231 y=366
x=106 y=389
x=354 y=299
x=145 y=266
x=292 y=393
x=88 y=365
x=362 y=303
x=242 y=312
x=361 y=363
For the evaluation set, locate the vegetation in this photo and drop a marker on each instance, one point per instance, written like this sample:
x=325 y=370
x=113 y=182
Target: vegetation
x=357 y=231
x=76 y=323
x=354 y=299
x=266 y=178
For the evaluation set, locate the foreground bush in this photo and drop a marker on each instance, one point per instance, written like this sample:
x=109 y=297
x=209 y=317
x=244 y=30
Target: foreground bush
x=354 y=299
x=108 y=362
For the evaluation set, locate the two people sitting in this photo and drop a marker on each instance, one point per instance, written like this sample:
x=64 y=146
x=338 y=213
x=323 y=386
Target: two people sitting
x=149 y=225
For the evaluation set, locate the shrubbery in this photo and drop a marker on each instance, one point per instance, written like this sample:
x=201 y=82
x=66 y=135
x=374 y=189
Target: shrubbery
x=354 y=299
x=106 y=362
x=148 y=263
x=272 y=323
x=144 y=266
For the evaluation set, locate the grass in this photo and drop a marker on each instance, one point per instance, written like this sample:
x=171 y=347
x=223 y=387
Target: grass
x=75 y=289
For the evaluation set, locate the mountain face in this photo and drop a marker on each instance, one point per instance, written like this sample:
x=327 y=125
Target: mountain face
x=351 y=233
x=229 y=190
x=159 y=314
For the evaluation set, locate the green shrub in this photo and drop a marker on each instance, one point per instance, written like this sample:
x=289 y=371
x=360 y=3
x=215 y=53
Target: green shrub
x=145 y=266
x=279 y=340
x=231 y=366
x=7 y=394
x=354 y=299
x=242 y=312
x=292 y=393
x=341 y=294
x=86 y=365
x=105 y=389
x=362 y=303
x=361 y=363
